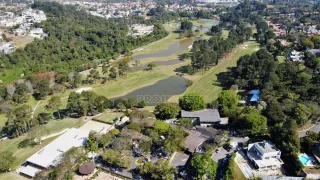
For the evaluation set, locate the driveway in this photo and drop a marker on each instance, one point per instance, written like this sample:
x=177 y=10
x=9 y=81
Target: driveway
x=223 y=153
x=315 y=128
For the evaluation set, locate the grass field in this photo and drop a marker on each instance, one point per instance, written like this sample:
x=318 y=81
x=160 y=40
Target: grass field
x=22 y=41
x=206 y=84
x=238 y=173
x=23 y=153
x=12 y=176
x=108 y=117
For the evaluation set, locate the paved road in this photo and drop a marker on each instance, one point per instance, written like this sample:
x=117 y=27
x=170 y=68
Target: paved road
x=222 y=154
x=315 y=128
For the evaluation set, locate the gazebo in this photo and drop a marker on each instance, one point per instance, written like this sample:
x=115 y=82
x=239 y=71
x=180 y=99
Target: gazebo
x=87 y=168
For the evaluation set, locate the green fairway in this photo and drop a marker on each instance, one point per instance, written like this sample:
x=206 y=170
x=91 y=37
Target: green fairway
x=108 y=117
x=206 y=84
x=162 y=43
x=23 y=153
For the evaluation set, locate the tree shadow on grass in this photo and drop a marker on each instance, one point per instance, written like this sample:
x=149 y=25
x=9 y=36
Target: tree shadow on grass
x=225 y=79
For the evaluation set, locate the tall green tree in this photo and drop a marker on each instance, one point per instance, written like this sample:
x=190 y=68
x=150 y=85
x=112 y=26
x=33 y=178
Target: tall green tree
x=228 y=101
x=6 y=160
x=192 y=102
x=19 y=121
x=167 y=110
x=203 y=167
x=54 y=104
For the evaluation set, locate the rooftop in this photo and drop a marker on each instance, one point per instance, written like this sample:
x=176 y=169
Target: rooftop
x=194 y=140
x=47 y=156
x=206 y=115
x=266 y=147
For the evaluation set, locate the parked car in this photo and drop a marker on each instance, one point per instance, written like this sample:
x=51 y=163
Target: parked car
x=227 y=147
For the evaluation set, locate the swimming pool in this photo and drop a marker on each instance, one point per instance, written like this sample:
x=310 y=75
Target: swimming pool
x=304 y=159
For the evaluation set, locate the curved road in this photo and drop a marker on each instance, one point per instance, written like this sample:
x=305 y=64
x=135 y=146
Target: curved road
x=315 y=128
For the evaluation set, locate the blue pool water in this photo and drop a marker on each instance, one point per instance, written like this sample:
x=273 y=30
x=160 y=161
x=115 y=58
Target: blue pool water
x=304 y=159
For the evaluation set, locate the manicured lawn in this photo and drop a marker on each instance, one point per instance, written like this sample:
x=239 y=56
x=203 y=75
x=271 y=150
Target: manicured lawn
x=108 y=117
x=23 y=153
x=55 y=126
x=206 y=84
x=9 y=75
x=3 y=120
x=238 y=173
x=12 y=176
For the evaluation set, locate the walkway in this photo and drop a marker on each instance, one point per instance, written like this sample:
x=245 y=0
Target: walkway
x=34 y=109
x=54 y=134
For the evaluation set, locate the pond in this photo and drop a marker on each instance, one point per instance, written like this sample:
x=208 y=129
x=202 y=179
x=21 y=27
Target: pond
x=157 y=63
x=206 y=23
x=172 y=49
x=160 y=91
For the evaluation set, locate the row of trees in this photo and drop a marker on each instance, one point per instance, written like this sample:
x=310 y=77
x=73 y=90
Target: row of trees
x=206 y=53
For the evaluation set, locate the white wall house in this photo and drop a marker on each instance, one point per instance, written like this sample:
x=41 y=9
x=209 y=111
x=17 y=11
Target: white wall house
x=296 y=56
x=7 y=47
x=265 y=156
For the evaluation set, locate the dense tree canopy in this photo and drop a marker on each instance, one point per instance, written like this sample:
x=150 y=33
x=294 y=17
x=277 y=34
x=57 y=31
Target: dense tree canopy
x=75 y=38
x=202 y=165
x=192 y=102
x=167 y=110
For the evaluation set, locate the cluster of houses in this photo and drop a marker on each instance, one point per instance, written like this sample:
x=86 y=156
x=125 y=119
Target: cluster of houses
x=9 y=19
x=278 y=29
x=218 y=1
x=127 y=8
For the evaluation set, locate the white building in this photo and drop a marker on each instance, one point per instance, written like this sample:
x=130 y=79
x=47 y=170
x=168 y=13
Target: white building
x=37 y=33
x=265 y=156
x=50 y=154
x=7 y=47
x=296 y=56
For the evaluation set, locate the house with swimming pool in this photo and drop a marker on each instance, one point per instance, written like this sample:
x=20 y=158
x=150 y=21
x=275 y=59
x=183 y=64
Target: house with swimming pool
x=265 y=156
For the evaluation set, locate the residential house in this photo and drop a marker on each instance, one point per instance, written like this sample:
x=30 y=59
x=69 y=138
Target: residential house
x=296 y=56
x=7 y=47
x=206 y=117
x=198 y=136
x=38 y=33
x=265 y=156
x=255 y=95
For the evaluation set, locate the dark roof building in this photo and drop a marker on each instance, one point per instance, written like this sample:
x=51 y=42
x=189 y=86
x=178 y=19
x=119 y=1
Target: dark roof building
x=206 y=117
x=198 y=136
